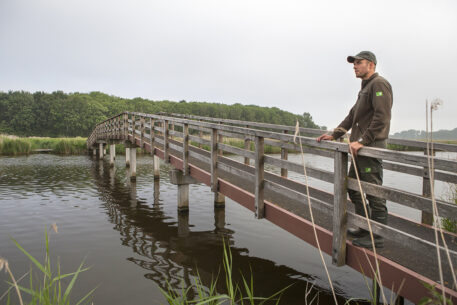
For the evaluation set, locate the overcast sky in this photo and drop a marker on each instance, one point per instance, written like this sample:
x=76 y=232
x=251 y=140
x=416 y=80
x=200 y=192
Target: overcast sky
x=288 y=54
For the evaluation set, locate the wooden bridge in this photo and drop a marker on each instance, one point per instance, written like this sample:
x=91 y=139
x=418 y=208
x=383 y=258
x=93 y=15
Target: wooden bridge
x=195 y=147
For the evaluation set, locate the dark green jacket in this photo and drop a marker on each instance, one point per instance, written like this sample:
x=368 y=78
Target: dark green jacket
x=369 y=118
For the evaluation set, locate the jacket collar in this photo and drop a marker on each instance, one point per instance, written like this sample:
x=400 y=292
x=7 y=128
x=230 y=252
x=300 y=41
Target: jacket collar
x=366 y=81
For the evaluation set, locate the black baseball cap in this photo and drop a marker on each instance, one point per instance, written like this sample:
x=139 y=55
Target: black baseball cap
x=363 y=55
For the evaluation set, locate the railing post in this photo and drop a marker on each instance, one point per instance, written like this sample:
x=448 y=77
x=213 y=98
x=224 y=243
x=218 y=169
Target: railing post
x=142 y=132
x=173 y=129
x=247 y=146
x=200 y=135
x=427 y=217
x=151 y=134
x=185 y=149
x=340 y=208
x=134 y=129
x=284 y=156
x=165 y=141
x=219 y=199
x=259 y=178
x=126 y=126
x=214 y=160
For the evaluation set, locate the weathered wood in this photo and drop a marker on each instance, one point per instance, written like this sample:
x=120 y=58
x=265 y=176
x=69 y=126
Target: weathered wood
x=112 y=154
x=236 y=151
x=340 y=209
x=284 y=156
x=219 y=198
x=142 y=132
x=259 y=178
x=185 y=147
x=151 y=134
x=200 y=141
x=405 y=198
x=247 y=146
x=165 y=141
x=100 y=150
x=298 y=168
x=214 y=160
x=133 y=163
x=127 y=156
x=156 y=165
x=427 y=217
x=133 y=127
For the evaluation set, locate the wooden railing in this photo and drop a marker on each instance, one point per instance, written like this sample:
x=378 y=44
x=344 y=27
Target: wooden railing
x=153 y=132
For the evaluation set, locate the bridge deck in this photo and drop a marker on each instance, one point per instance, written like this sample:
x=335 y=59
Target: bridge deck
x=409 y=255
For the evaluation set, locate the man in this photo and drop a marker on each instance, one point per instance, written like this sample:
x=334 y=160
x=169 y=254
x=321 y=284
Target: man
x=369 y=120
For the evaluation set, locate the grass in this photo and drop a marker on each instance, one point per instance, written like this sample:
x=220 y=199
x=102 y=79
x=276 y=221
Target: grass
x=46 y=287
x=14 y=146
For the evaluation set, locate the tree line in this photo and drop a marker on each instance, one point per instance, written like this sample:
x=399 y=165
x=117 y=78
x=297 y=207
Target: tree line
x=60 y=114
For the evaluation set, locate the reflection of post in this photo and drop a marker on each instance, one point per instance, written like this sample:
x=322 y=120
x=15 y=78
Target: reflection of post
x=112 y=174
x=183 y=225
x=133 y=193
x=133 y=162
x=219 y=218
x=156 y=168
x=100 y=167
x=156 y=192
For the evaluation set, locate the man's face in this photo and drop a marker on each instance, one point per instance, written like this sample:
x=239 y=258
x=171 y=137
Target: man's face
x=362 y=68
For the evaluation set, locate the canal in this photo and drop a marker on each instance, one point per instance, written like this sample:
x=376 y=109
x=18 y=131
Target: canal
x=134 y=241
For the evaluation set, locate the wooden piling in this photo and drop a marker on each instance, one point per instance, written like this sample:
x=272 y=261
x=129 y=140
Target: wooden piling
x=133 y=163
x=112 y=154
x=127 y=155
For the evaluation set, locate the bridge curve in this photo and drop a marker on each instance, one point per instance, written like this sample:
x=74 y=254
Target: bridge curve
x=195 y=146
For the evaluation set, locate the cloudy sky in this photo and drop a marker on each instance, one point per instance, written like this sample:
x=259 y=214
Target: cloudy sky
x=288 y=54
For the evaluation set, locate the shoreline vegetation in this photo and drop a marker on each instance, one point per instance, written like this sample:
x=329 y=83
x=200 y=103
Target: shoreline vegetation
x=16 y=146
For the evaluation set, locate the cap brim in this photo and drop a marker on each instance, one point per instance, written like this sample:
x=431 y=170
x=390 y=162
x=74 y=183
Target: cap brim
x=351 y=59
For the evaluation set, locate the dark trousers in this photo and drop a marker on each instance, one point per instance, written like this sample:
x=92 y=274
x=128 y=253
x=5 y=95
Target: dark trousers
x=369 y=170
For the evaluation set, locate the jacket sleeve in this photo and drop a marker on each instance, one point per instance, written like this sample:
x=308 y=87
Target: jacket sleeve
x=344 y=126
x=381 y=101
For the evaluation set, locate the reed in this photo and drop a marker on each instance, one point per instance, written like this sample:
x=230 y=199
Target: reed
x=50 y=288
x=14 y=146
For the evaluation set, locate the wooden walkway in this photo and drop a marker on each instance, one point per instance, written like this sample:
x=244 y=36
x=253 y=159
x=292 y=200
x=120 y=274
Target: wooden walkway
x=409 y=255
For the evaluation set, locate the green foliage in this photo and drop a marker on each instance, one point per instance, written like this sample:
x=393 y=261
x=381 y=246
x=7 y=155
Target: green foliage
x=210 y=296
x=449 y=224
x=14 y=146
x=436 y=297
x=48 y=288
x=60 y=114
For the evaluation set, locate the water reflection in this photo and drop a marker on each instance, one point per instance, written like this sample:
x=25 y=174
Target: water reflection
x=170 y=251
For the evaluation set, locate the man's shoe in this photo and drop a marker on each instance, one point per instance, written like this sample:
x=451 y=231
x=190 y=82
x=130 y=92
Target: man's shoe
x=357 y=232
x=365 y=242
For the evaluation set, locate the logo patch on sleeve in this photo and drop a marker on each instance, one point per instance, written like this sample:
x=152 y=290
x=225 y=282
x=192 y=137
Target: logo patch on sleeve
x=379 y=93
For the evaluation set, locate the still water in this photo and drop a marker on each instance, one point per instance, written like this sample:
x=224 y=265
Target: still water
x=134 y=241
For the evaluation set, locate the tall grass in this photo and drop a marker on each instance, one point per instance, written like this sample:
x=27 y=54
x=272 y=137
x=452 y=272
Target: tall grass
x=13 y=146
x=48 y=288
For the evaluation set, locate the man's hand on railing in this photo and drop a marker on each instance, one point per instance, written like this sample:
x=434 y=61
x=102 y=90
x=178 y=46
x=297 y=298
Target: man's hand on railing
x=325 y=136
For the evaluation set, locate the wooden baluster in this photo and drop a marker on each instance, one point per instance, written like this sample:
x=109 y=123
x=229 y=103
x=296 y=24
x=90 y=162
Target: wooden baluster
x=165 y=141
x=151 y=134
x=340 y=208
x=259 y=177
x=247 y=146
x=133 y=129
x=185 y=149
x=427 y=217
x=214 y=160
x=284 y=156
x=142 y=132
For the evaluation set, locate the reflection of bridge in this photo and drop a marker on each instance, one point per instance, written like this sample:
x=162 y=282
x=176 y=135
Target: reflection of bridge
x=409 y=256
x=170 y=251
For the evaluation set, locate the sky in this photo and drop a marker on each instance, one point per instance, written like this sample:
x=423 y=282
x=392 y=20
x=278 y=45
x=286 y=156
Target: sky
x=286 y=54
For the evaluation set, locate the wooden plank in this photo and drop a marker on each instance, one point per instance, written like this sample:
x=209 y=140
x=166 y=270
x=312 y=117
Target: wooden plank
x=405 y=198
x=185 y=153
x=199 y=140
x=298 y=168
x=427 y=217
x=259 y=178
x=214 y=160
x=165 y=141
x=340 y=209
x=236 y=151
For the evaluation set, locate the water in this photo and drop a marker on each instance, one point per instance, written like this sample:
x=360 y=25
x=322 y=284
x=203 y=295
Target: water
x=134 y=241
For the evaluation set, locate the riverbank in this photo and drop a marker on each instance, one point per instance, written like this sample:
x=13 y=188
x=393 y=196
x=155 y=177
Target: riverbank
x=15 y=146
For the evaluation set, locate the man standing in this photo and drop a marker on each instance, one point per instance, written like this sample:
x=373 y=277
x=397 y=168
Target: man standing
x=369 y=120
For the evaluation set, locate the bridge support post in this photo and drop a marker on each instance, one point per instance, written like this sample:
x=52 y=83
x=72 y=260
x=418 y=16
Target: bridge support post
x=133 y=162
x=112 y=154
x=100 y=150
x=156 y=168
x=340 y=208
x=182 y=181
x=259 y=178
x=127 y=155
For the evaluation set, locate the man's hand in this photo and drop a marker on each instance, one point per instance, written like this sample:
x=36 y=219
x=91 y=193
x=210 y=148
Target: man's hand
x=355 y=146
x=324 y=137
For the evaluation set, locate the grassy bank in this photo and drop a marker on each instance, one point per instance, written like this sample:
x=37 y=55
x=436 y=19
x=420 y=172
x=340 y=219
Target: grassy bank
x=14 y=146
